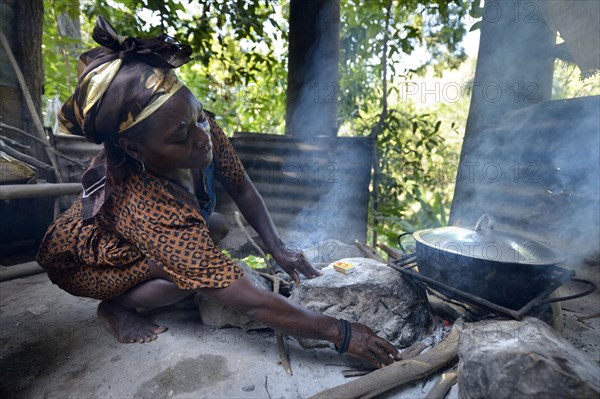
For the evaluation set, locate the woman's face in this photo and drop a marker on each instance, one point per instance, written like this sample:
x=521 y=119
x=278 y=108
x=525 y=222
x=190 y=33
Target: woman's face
x=178 y=136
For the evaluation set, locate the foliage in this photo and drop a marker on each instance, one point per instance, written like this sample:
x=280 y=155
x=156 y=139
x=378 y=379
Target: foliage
x=568 y=82
x=235 y=71
x=411 y=193
x=255 y=262
x=435 y=26
x=60 y=52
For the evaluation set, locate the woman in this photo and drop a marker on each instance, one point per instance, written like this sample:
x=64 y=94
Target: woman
x=140 y=235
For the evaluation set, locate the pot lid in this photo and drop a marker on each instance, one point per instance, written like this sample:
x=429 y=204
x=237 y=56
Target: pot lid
x=488 y=244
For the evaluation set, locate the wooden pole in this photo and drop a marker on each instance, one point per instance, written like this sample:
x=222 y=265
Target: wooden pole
x=39 y=128
x=16 y=191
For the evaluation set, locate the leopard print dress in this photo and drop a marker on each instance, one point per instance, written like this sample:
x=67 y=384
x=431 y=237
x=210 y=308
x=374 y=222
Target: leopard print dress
x=145 y=218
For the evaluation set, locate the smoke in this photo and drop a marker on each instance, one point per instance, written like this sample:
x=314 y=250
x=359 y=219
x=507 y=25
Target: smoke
x=337 y=173
x=538 y=175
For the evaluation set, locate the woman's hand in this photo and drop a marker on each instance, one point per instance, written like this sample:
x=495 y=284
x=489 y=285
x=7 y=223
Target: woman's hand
x=365 y=345
x=294 y=261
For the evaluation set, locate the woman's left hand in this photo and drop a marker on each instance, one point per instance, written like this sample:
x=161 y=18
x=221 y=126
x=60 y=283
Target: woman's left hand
x=294 y=261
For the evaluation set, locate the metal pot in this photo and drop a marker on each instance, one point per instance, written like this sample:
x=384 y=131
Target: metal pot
x=504 y=268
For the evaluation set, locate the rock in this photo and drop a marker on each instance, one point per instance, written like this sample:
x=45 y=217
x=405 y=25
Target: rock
x=326 y=252
x=374 y=294
x=37 y=310
x=512 y=359
x=248 y=388
x=218 y=315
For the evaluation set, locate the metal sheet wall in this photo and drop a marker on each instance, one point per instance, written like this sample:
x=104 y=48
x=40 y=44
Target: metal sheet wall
x=315 y=189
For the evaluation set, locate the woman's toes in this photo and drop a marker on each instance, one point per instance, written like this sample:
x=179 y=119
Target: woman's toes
x=159 y=330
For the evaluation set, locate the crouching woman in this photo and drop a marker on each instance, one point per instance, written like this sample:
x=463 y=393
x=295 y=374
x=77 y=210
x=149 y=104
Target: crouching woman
x=143 y=233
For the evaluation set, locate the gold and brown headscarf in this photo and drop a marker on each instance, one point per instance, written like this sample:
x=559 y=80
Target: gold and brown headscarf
x=120 y=84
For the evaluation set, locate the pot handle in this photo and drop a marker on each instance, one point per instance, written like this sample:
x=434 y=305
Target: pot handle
x=591 y=288
x=482 y=218
x=410 y=233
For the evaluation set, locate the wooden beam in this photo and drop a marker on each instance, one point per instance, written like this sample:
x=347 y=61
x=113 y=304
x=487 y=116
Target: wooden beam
x=16 y=191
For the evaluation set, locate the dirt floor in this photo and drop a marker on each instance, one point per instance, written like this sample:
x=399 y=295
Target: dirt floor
x=52 y=345
x=583 y=332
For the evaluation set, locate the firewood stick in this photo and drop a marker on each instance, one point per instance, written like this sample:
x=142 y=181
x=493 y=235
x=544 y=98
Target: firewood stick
x=356 y=373
x=30 y=106
x=392 y=253
x=589 y=316
x=272 y=278
x=399 y=373
x=42 y=142
x=413 y=350
x=30 y=161
x=369 y=252
x=279 y=336
x=14 y=143
x=443 y=385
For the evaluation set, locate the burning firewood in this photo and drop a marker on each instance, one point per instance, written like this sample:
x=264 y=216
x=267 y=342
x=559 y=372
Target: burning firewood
x=399 y=373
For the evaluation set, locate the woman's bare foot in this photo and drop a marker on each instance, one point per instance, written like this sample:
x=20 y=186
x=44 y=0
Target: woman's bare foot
x=127 y=325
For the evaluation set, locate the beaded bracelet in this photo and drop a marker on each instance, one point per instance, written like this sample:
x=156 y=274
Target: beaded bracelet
x=346 y=335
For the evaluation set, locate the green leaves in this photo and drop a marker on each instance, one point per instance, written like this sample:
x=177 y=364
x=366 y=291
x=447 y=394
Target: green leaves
x=476 y=12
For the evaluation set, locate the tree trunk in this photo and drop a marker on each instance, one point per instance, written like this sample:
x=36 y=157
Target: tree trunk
x=313 y=77
x=28 y=51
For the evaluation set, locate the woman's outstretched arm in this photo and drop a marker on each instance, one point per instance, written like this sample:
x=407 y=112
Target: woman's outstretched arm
x=283 y=315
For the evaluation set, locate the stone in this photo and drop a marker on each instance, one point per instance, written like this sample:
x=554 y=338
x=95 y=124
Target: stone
x=373 y=294
x=522 y=359
x=248 y=388
x=217 y=315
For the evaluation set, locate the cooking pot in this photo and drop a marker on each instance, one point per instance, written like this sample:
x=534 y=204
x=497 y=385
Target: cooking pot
x=504 y=268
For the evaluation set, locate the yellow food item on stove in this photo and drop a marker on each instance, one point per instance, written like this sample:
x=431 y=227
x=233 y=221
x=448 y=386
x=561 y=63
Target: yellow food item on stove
x=343 y=267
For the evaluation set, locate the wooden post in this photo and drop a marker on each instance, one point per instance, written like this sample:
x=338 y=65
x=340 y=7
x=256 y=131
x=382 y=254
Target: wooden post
x=313 y=78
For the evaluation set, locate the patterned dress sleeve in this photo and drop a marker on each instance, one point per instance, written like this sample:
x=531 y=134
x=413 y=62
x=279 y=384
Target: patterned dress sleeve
x=229 y=167
x=167 y=226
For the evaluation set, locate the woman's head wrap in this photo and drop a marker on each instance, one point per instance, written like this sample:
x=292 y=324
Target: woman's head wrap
x=120 y=84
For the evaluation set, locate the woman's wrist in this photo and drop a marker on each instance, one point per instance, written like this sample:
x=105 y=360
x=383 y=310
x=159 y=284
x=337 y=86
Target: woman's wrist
x=275 y=246
x=346 y=333
x=335 y=332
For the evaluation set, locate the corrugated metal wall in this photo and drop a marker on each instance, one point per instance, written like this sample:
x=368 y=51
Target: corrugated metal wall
x=314 y=189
